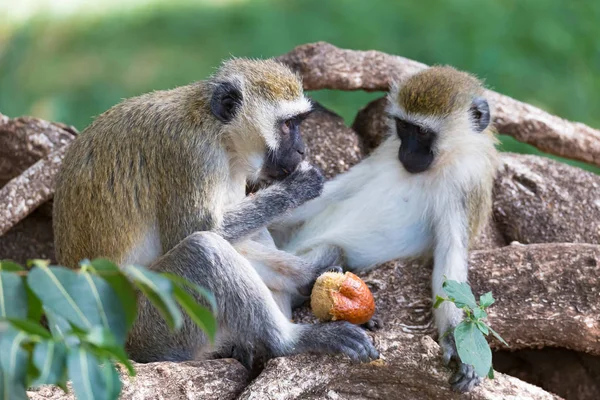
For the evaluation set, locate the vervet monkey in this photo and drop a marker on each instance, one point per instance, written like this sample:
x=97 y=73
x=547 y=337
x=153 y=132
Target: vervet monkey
x=159 y=181
x=426 y=191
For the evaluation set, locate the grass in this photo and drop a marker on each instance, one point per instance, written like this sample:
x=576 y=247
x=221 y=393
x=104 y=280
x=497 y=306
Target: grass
x=72 y=66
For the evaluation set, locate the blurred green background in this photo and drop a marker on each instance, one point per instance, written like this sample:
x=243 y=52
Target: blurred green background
x=69 y=60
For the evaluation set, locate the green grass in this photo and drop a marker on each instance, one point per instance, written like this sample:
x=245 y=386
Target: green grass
x=69 y=69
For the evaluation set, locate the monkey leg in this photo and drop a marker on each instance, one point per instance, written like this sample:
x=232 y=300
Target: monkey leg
x=452 y=266
x=247 y=315
x=285 y=272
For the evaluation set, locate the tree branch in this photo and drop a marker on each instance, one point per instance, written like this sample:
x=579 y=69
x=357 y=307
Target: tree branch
x=26 y=192
x=324 y=66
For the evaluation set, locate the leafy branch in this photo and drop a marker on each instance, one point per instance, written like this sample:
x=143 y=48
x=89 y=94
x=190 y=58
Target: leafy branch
x=89 y=314
x=472 y=347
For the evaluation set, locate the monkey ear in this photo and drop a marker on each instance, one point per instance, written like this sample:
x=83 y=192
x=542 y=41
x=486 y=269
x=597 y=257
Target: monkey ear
x=226 y=101
x=480 y=113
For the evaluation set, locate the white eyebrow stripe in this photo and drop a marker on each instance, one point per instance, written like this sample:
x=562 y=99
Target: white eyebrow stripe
x=287 y=108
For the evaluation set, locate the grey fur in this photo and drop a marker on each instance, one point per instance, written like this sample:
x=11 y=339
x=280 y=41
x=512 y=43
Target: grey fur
x=247 y=313
x=257 y=211
x=156 y=178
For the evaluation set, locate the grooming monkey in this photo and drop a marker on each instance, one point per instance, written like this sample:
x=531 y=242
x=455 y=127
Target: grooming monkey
x=426 y=191
x=159 y=181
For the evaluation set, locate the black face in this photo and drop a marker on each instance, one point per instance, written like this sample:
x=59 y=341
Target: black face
x=415 y=152
x=290 y=153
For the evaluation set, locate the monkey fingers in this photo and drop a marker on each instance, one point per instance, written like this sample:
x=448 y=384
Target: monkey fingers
x=307 y=289
x=338 y=337
x=464 y=377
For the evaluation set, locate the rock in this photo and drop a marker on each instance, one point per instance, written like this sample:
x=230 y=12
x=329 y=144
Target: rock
x=535 y=307
x=412 y=369
x=370 y=124
x=490 y=237
x=324 y=66
x=569 y=374
x=537 y=304
x=35 y=186
x=30 y=238
x=25 y=140
x=332 y=146
x=538 y=200
x=215 y=379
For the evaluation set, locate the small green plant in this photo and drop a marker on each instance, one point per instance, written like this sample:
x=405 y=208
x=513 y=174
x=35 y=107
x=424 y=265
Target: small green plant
x=89 y=313
x=472 y=347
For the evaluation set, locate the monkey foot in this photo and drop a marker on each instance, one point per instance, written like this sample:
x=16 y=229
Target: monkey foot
x=464 y=377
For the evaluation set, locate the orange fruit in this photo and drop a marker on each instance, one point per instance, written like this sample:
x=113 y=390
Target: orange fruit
x=345 y=297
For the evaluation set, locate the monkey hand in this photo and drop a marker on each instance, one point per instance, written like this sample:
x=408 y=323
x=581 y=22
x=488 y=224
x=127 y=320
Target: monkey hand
x=305 y=183
x=464 y=377
x=307 y=289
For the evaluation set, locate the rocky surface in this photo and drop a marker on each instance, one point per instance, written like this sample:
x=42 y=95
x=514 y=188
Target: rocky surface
x=25 y=140
x=571 y=374
x=30 y=238
x=547 y=293
x=370 y=124
x=35 y=186
x=206 y=380
x=324 y=66
x=411 y=370
x=331 y=145
x=538 y=200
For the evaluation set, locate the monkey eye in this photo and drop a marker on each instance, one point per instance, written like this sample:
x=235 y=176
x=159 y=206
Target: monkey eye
x=287 y=126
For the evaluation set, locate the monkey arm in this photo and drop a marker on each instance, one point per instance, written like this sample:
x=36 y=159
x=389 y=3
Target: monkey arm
x=450 y=261
x=338 y=189
x=253 y=213
x=449 y=258
x=247 y=313
x=257 y=211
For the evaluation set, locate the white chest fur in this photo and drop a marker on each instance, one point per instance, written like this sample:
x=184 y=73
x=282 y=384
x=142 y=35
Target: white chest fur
x=381 y=215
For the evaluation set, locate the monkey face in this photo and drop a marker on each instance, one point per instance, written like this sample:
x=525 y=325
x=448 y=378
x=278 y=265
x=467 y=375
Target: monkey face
x=415 y=153
x=290 y=151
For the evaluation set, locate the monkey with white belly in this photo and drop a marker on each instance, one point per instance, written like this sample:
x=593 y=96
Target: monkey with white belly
x=424 y=192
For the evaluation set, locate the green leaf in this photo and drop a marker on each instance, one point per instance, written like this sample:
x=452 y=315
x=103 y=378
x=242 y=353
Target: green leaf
x=90 y=379
x=438 y=301
x=30 y=327
x=34 y=311
x=479 y=313
x=491 y=373
x=58 y=325
x=112 y=381
x=32 y=372
x=13 y=296
x=460 y=293
x=85 y=300
x=49 y=357
x=159 y=290
x=51 y=285
x=497 y=336
x=486 y=300
x=109 y=306
x=13 y=358
x=112 y=274
x=482 y=327
x=472 y=347
x=197 y=288
x=11 y=390
x=105 y=340
x=9 y=266
x=201 y=316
